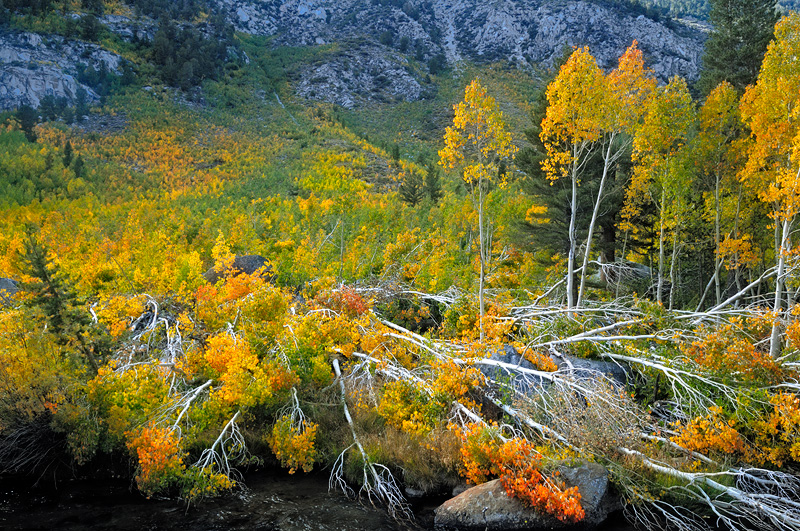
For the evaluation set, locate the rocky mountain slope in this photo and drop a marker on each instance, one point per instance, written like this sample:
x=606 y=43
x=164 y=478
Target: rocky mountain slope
x=525 y=32
x=378 y=41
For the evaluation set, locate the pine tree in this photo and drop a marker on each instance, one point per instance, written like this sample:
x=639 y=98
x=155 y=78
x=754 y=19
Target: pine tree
x=433 y=184
x=67 y=154
x=411 y=189
x=27 y=120
x=77 y=166
x=736 y=47
x=52 y=293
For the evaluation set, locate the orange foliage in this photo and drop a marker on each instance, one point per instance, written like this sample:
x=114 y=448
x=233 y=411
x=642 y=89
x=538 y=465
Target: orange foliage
x=778 y=435
x=344 y=300
x=714 y=433
x=517 y=463
x=160 y=458
x=728 y=353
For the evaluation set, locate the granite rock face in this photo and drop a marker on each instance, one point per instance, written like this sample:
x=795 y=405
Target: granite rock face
x=33 y=66
x=364 y=73
x=525 y=32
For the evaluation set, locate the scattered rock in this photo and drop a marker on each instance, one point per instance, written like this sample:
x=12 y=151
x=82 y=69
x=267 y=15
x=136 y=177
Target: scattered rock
x=242 y=265
x=524 y=383
x=364 y=73
x=488 y=507
x=585 y=368
x=144 y=28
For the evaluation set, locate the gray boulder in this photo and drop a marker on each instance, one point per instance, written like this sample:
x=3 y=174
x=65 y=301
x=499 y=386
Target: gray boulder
x=584 y=368
x=488 y=507
x=515 y=379
x=8 y=287
x=242 y=265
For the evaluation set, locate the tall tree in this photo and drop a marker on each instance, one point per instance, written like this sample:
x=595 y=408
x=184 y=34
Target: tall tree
x=411 y=188
x=661 y=170
x=627 y=89
x=736 y=46
x=718 y=154
x=569 y=133
x=771 y=108
x=479 y=141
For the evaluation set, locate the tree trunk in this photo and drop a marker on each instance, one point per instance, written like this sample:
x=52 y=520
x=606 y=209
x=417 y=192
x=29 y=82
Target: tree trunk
x=717 y=258
x=775 y=337
x=572 y=236
x=482 y=253
x=660 y=286
x=673 y=261
x=606 y=164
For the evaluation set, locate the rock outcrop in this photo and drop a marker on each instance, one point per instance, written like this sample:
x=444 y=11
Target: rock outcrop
x=33 y=66
x=488 y=507
x=363 y=73
x=242 y=265
x=525 y=32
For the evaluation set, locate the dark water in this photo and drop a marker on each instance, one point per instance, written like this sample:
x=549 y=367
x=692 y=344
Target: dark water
x=272 y=501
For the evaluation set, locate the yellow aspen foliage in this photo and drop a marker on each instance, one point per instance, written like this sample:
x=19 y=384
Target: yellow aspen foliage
x=222 y=255
x=117 y=312
x=778 y=435
x=477 y=142
x=128 y=398
x=293 y=445
x=571 y=123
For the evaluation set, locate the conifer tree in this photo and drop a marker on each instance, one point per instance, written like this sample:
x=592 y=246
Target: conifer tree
x=736 y=46
x=52 y=293
x=433 y=184
x=411 y=189
x=67 y=154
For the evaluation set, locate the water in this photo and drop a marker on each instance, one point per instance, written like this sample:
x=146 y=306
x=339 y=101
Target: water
x=273 y=500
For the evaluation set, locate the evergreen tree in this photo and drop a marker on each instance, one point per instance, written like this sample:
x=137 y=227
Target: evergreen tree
x=77 y=166
x=54 y=296
x=67 y=154
x=411 y=189
x=27 y=119
x=433 y=183
x=736 y=46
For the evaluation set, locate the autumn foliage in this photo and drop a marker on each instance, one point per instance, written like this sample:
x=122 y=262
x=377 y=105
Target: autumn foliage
x=486 y=454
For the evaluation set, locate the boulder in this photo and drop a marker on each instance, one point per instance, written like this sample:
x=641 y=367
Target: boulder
x=585 y=368
x=8 y=287
x=488 y=507
x=242 y=265
x=515 y=379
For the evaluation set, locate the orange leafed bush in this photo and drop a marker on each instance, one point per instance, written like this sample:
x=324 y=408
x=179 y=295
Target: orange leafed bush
x=730 y=354
x=713 y=433
x=778 y=435
x=160 y=458
x=516 y=462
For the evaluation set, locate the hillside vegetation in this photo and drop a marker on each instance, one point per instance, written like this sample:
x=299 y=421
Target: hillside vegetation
x=523 y=269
